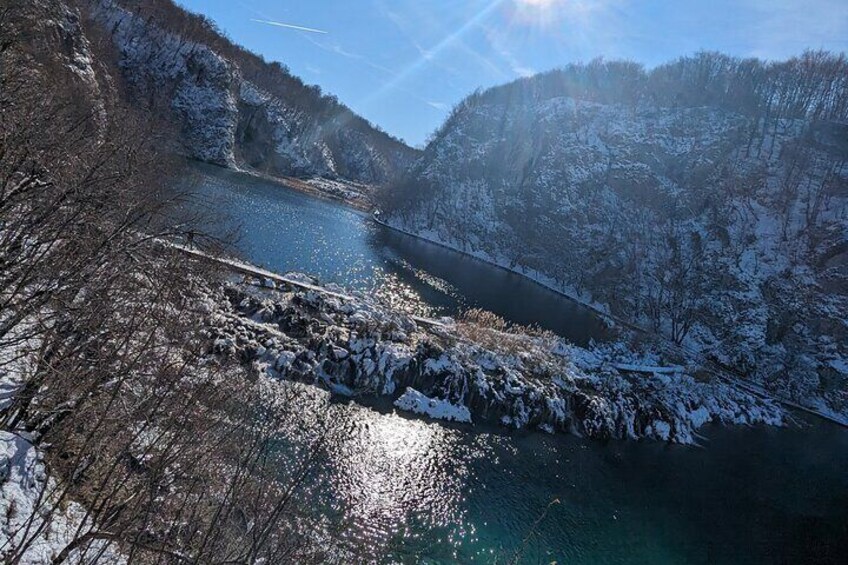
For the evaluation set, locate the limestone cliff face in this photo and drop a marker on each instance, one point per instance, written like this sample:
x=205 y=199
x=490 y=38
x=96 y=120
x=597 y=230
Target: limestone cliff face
x=229 y=120
x=715 y=217
x=51 y=45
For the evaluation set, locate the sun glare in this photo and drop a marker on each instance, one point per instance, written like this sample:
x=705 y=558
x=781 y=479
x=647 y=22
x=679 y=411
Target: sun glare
x=540 y=13
x=551 y=14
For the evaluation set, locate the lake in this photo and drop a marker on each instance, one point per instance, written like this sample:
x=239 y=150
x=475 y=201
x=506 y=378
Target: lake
x=284 y=230
x=420 y=491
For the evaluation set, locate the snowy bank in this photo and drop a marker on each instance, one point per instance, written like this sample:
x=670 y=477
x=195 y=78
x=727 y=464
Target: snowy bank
x=29 y=515
x=356 y=346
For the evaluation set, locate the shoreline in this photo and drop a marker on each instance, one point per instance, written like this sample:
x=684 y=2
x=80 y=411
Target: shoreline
x=725 y=374
x=594 y=307
x=293 y=183
x=687 y=355
x=358 y=348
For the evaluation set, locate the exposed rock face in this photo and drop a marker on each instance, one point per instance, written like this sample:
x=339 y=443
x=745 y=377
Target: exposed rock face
x=358 y=347
x=227 y=119
x=60 y=50
x=703 y=200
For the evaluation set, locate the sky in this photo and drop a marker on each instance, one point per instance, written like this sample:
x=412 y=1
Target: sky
x=403 y=64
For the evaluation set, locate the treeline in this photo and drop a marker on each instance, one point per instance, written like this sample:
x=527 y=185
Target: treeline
x=166 y=449
x=649 y=231
x=813 y=85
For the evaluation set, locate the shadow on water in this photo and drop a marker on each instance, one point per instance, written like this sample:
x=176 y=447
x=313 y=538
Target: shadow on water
x=475 y=284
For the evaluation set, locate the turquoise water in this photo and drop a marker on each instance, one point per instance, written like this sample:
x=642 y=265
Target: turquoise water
x=284 y=230
x=409 y=490
x=418 y=491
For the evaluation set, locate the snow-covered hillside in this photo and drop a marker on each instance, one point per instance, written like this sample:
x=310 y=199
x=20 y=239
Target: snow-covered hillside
x=706 y=200
x=189 y=71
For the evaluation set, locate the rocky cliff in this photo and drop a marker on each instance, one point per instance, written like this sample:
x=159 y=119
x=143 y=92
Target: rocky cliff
x=706 y=200
x=231 y=107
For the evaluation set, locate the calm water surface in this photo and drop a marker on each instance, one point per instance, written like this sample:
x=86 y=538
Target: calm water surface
x=284 y=230
x=420 y=491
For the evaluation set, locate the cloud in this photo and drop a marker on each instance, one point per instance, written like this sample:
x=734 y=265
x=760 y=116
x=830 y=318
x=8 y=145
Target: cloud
x=289 y=26
x=524 y=71
x=498 y=41
x=438 y=105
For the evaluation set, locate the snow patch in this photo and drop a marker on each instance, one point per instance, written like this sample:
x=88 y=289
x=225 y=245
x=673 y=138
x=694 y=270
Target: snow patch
x=414 y=401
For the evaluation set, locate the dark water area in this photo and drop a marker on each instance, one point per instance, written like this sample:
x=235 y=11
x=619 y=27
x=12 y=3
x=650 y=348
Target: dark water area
x=284 y=230
x=420 y=491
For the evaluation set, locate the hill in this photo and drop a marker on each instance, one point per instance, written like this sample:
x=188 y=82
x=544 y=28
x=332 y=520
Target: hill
x=705 y=200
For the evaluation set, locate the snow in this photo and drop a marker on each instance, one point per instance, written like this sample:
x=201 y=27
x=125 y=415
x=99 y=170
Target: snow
x=31 y=509
x=699 y=417
x=210 y=97
x=840 y=365
x=662 y=430
x=602 y=176
x=353 y=346
x=27 y=501
x=414 y=401
x=649 y=369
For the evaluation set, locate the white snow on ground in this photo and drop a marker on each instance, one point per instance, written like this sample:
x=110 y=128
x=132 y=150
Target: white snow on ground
x=27 y=500
x=28 y=509
x=414 y=401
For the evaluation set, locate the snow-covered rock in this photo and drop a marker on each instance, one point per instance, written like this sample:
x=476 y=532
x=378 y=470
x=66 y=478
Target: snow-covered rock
x=357 y=346
x=414 y=401
x=281 y=127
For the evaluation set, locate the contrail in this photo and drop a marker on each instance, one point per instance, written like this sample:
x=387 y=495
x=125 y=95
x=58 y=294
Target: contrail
x=289 y=26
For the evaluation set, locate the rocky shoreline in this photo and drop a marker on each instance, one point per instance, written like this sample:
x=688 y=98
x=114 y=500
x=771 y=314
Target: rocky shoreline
x=468 y=371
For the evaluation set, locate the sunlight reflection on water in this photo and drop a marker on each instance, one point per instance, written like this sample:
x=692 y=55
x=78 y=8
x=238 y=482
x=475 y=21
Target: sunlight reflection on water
x=288 y=231
x=393 y=485
x=416 y=490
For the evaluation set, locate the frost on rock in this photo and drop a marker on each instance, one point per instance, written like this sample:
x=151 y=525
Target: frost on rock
x=356 y=346
x=414 y=401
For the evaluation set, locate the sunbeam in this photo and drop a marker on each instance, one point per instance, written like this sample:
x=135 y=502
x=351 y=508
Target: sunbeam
x=430 y=54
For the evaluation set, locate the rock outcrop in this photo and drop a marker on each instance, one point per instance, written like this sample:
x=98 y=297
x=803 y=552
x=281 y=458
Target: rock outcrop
x=360 y=348
x=232 y=108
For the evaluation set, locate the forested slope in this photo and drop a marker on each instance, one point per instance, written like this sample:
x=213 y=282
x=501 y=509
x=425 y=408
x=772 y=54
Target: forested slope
x=706 y=200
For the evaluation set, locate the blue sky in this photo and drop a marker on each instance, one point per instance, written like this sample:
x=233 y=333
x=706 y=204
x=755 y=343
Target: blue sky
x=404 y=63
